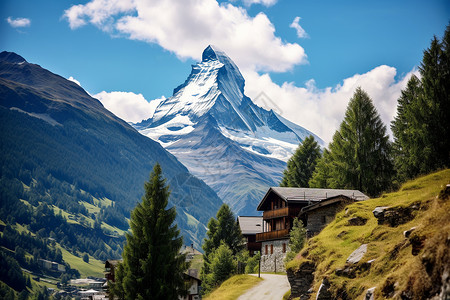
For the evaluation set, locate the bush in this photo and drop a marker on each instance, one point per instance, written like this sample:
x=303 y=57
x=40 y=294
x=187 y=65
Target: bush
x=297 y=239
x=253 y=264
x=222 y=266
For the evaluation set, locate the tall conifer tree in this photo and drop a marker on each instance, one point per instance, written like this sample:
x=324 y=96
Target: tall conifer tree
x=321 y=177
x=301 y=165
x=152 y=264
x=359 y=155
x=422 y=125
x=411 y=146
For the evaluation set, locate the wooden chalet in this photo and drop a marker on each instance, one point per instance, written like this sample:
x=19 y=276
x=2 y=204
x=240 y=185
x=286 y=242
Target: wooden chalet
x=110 y=266
x=250 y=226
x=280 y=205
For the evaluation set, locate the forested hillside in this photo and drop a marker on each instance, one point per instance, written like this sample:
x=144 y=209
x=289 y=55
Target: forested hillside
x=71 y=172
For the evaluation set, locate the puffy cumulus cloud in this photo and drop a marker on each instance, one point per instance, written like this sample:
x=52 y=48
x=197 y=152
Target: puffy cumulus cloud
x=128 y=106
x=301 y=33
x=18 y=22
x=74 y=80
x=98 y=12
x=187 y=27
x=322 y=110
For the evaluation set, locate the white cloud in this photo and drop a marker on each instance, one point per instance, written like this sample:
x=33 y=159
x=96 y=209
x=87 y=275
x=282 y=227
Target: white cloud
x=18 y=22
x=187 y=27
x=262 y=2
x=74 y=80
x=128 y=106
x=301 y=33
x=322 y=110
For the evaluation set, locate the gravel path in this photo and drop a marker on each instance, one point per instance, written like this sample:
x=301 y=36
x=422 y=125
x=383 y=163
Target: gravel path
x=273 y=287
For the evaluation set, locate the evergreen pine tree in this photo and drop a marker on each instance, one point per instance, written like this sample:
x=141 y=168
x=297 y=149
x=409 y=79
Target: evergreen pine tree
x=411 y=146
x=321 y=178
x=221 y=230
x=152 y=264
x=359 y=154
x=422 y=124
x=302 y=164
x=436 y=88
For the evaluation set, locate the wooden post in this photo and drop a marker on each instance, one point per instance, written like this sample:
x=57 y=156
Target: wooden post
x=275 y=259
x=259 y=265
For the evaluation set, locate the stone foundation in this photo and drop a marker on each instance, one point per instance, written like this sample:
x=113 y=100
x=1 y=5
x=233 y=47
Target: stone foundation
x=301 y=280
x=273 y=262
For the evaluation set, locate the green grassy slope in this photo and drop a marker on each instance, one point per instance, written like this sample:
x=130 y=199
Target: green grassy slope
x=396 y=272
x=234 y=287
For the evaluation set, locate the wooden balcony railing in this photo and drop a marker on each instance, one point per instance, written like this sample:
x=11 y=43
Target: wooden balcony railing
x=281 y=212
x=272 y=235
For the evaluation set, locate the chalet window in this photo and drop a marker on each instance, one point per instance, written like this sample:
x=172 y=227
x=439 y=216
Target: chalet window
x=284 y=247
x=267 y=251
x=271 y=249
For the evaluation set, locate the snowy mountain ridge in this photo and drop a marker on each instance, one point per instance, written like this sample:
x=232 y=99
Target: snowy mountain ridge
x=216 y=86
x=219 y=134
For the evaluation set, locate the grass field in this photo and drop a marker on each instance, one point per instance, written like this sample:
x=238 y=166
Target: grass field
x=234 y=287
x=93 y=268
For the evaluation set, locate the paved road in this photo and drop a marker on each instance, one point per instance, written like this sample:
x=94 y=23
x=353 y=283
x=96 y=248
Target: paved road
x=273 y=287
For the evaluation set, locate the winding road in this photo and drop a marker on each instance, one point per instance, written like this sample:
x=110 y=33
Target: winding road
x=273 y=287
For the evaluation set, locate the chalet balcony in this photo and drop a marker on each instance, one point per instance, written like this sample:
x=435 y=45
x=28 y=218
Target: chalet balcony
x=272 y=235
x=281 y=212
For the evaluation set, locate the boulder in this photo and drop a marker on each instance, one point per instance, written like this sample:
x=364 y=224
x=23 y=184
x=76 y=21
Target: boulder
x=394 y=216
x=357 y=255
x=370 y=294
x=379 y=211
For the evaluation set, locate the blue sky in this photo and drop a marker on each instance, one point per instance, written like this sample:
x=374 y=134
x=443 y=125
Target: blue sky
x=306 y=56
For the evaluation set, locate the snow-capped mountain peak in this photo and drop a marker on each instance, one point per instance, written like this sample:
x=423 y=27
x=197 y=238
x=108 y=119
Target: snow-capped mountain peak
x=216 y=87
x=213 y=128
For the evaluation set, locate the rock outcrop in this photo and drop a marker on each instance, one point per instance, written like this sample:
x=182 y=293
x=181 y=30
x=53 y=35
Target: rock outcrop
x=394 y=216
x=301 y=280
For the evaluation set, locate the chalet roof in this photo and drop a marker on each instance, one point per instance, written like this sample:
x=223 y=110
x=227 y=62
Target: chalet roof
x=308 y=195
x=325 y=202
x=250 y=225
x=193 y=273
x=112 y=262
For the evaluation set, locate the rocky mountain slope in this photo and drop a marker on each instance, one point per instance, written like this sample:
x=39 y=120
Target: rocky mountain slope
x=393 y=247
x=68 y=151
x=235 y=146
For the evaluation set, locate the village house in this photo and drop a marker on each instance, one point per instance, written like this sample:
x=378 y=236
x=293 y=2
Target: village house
x=315 y=207
x=250 y=226
x=110 y=266
x=51 y=265
x=192 y=278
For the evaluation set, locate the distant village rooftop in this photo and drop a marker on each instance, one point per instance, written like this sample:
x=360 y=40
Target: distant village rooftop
x=250 y=225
